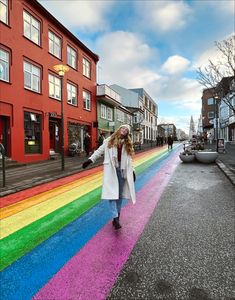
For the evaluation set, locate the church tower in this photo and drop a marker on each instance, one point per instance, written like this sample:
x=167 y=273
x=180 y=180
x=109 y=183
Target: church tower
x=191 y=128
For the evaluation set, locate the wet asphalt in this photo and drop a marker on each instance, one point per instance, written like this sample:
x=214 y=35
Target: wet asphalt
x=186 y=251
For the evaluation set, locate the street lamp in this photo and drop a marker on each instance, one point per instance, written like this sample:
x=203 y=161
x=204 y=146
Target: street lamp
x=61 y=70
x=216 y=98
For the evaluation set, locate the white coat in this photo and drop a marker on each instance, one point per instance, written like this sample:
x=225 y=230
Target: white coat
x=110 y=190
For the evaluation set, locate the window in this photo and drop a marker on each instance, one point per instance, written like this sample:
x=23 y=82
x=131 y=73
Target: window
x=4 y=65
x=31 y=28
x=54 y=44
x=32 y=77
x=120 y=115
x=87 y=100
x=210 y=114
x=86 y=68
x=210 y=101
x=32 y=132
x=109 y=114
x=135 y=118
x=54 y=87
x=71 y=57
x=103 y=111
x=4 y=11
x=72 y=94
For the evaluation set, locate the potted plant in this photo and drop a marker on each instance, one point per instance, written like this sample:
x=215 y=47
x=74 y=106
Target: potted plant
x=187 y=156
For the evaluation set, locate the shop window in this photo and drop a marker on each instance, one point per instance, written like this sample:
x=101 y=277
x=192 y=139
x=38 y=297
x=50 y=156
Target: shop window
x=54 y=44
x=32 y=77
x=4 y=65
x=4 y=11
x=32 y=132
x=31 y=28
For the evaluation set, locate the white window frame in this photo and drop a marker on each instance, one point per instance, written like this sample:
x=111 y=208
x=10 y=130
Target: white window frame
x=86 y=100
x=34 y=27
x=103 y=111
x=109 y=114
x=211 y=113
x=54 y=44
x=4 y=11
x=34 y=74
x=120 y=115
x=54 y=83
x=72 y=94
x=71 y=57
x=5 y=65
x=86 y=69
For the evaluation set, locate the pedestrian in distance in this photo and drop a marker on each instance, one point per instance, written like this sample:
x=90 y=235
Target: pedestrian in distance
x=170 y=142
x=87 y=143
x=119 y=175
x=100 y=139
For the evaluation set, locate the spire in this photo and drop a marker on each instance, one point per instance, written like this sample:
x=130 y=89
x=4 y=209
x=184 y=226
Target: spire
x=191 y=128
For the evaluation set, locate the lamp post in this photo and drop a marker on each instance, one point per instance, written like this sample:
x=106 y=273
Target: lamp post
x=216 y=97
x=61 y=70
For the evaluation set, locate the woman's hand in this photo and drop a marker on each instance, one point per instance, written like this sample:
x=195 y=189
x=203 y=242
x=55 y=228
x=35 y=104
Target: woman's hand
x=86 y=163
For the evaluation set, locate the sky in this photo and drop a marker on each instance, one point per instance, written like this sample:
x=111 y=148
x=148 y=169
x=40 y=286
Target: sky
x=156 y=45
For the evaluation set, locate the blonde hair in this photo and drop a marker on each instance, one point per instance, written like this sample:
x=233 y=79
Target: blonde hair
x=116 y=140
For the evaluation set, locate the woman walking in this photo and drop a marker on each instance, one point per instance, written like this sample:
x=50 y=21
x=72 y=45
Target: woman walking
x=119 y=176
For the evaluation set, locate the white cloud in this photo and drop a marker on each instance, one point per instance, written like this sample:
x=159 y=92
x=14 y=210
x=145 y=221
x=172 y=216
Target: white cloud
x=176 y=64
x=124 y=59
x=164 y=16
x=83 y=15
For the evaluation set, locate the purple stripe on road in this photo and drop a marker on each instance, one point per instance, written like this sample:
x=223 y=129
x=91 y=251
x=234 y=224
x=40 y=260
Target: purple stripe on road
x=92 y=272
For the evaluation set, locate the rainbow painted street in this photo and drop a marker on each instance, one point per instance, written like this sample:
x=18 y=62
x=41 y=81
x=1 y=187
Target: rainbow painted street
x=57 y=241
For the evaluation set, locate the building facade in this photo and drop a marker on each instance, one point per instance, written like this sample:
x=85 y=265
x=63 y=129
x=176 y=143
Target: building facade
x=134 y=103
x=32 y=92
x=111 y=113
x=150 y=109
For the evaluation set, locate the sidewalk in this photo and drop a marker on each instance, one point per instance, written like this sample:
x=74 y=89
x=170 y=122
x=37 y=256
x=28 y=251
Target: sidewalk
x=24 y=176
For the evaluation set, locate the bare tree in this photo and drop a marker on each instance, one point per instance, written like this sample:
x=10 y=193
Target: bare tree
x=218 y=75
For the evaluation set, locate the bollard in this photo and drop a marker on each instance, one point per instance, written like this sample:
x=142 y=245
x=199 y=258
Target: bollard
x=2 y=150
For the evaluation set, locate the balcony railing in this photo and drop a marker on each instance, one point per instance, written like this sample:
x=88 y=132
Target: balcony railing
x=104 y=90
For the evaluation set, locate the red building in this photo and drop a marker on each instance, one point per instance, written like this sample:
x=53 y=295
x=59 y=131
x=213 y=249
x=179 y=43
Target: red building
x=32 y=41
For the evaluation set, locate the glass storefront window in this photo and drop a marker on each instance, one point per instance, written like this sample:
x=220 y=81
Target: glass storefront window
x=32 y=132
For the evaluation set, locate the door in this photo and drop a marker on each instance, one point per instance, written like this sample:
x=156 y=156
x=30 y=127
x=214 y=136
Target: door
x=5 y=134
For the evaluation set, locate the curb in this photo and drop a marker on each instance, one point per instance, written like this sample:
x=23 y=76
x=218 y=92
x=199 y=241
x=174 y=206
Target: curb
x=226 y=170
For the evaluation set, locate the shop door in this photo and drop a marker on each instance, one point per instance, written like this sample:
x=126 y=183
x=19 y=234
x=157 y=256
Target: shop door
x=5 y=134
x=54 y=135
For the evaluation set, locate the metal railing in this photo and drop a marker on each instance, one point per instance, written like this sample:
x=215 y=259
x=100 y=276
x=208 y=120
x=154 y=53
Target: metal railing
x=2 y=151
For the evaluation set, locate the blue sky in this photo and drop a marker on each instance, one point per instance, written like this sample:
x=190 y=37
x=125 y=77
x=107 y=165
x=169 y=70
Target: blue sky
x=157 y=45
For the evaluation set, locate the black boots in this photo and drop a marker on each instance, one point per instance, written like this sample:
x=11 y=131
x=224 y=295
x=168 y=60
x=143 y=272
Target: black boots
x=116 y=223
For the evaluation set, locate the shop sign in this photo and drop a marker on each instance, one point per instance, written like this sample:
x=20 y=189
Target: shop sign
x=52 y=114
x=220 y=145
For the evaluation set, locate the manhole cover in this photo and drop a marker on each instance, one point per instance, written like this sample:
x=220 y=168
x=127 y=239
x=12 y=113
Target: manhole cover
x=132 y=277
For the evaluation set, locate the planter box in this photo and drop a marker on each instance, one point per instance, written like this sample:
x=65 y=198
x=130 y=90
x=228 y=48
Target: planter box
x=206 y=157
x=187 y=158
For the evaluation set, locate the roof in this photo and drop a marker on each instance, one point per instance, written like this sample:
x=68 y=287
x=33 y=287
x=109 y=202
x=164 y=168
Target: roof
x=46 y=13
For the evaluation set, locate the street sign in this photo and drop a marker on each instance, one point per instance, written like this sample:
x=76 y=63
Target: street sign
x=220 y=145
